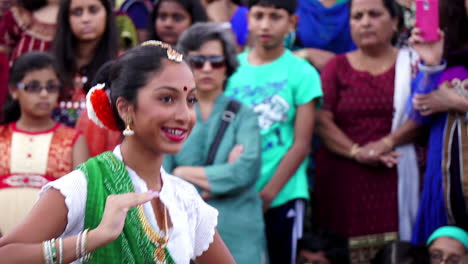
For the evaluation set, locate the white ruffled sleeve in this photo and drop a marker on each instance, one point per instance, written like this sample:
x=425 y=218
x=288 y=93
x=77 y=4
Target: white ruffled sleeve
x=205 y=226
x=74 y=188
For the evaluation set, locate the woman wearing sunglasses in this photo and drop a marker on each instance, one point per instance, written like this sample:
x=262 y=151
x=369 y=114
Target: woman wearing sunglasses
x=226 y=181
x=34 y=149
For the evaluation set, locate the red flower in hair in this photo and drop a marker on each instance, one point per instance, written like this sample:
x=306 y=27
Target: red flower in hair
x=99 y=108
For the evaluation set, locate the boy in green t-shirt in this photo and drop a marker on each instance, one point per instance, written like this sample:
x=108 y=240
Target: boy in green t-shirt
x=282 y=89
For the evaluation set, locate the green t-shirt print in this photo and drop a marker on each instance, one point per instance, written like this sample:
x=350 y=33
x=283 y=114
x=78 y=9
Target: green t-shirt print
x=274 y=91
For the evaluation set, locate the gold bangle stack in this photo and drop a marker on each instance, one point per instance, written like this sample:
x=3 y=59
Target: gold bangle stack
x=354 y=150
x=387 y=141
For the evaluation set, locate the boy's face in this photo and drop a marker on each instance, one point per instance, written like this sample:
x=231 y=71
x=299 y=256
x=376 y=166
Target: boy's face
x=269 y=25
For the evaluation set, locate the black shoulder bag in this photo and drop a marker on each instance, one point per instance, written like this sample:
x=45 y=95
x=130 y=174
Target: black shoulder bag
x=228 y=115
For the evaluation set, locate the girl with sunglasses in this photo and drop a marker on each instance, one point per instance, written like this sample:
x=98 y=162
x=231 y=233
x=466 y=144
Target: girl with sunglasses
x=35 y=150
x=227 y=180
x=29 y=25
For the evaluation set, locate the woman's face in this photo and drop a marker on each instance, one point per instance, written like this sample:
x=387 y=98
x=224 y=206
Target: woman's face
x=209 y=67
x=171 y=21
x=371 y=23
x=37 y=93
x=448 y=249
x=165 y=111
x=87 y=19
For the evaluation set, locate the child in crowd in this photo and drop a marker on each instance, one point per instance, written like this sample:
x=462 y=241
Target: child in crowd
x=323 y=247
x=29 y=25
x=86 y=38
x=35 y=149
x=170 y=18
x=283 y=90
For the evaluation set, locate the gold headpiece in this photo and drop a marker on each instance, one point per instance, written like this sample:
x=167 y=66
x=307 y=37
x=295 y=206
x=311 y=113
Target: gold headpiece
x=172 y=54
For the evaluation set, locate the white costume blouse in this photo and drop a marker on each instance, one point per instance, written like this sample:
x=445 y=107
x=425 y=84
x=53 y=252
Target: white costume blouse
x=193 y=220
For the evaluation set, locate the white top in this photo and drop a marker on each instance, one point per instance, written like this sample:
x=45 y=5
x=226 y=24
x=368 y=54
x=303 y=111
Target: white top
x=193 y=220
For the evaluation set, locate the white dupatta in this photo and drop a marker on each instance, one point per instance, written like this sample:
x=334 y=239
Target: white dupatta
x=408 y=171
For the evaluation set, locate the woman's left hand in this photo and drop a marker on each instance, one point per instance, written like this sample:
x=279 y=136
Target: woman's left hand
x=440 y=100
x=375 y=149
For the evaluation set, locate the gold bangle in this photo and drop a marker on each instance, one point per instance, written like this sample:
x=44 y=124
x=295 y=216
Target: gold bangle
x=354 y=150
x=387 y=141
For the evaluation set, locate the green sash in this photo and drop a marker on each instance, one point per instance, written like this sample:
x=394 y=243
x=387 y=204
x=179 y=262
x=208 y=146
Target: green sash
x=107 y=175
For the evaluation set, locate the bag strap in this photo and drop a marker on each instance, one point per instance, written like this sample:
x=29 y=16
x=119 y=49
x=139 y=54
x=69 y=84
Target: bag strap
x=228 y=115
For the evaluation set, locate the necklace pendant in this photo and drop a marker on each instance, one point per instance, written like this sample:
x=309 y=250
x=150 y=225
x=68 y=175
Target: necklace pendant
x=160 y=255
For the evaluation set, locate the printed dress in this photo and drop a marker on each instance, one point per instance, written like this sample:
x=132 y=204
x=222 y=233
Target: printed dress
x=28 y=161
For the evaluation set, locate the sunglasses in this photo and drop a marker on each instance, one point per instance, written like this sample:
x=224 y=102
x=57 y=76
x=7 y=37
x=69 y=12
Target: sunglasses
x=216 y=62
x=37 y=88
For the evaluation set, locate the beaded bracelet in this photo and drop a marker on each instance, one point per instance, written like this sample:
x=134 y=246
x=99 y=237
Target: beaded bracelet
x=53 y=250
x=60 y=241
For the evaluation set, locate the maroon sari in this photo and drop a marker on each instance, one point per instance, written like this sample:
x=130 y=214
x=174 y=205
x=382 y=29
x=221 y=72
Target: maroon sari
x=355 y=200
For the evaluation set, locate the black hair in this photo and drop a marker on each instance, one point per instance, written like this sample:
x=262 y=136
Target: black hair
x=198 y=34
x=193 y=7
x=32 y=5
x=65 y=43
x=454 y=22
x=131 y=72
x=401 y=252
x=288 y=5
x=395 y=11
x=26 y=63
x=334 y=247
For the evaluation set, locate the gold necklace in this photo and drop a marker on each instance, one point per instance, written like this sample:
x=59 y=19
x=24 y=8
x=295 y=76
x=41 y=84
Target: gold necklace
x=159 y=241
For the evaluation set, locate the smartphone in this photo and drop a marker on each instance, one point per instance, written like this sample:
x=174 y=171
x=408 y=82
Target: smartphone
x=427 y=19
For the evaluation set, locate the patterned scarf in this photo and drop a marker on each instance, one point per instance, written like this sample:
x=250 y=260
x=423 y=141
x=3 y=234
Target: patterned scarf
x=107 y=175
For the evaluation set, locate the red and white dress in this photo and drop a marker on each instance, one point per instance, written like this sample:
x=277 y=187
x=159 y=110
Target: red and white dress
x=28 y=161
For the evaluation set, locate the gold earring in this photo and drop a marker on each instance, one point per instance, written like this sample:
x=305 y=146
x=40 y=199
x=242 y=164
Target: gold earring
x=128 y=130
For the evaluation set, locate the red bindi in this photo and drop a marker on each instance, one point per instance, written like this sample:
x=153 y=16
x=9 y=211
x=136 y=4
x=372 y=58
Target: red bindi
x=185 y=88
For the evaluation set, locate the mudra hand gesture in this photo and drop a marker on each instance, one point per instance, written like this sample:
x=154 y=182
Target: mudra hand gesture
x=115 y=212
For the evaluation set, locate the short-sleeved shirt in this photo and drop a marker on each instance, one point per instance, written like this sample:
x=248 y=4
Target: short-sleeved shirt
x=275 y=91
x=193 y=221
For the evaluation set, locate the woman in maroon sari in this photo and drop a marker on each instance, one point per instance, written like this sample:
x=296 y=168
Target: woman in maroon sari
x=356 y=176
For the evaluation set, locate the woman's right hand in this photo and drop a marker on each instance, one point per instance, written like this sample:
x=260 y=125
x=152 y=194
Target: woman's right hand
x=115 y=212
x=429 y=52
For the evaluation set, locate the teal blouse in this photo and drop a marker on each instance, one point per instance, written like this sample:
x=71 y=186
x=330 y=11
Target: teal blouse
x=240 y=220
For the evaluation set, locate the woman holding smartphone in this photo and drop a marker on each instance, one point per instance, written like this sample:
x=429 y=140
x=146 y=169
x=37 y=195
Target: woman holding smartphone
x=442 y=102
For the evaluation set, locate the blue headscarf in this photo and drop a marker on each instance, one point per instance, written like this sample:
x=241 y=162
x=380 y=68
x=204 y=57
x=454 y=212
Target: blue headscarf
x=452 y=232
